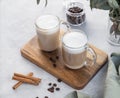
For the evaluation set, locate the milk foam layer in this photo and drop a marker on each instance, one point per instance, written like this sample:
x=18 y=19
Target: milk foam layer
x=47 y=22
x=74 y=42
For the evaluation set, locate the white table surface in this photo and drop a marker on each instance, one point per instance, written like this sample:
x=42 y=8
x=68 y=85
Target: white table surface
x=17 y=19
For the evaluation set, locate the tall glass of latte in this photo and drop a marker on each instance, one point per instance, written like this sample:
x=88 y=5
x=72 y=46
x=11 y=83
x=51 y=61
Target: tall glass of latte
x=48 y=31
x=75 y=48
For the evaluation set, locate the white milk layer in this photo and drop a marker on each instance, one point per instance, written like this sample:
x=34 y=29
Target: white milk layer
x=47 y=23
x=74 y=42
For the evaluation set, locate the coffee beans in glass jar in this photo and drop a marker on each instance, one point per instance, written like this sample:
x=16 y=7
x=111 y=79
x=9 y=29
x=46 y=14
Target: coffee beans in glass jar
x=75 y=13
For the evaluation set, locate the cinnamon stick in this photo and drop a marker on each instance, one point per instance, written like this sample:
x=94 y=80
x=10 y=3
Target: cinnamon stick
x=19 y=83
x=25 y=80
x=28 y=77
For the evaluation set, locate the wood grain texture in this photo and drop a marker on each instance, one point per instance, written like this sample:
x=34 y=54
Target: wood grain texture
x=74 y=78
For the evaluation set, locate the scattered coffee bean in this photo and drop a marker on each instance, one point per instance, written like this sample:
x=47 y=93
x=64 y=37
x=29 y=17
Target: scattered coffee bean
x=37 y=97
x=46 y=96
x=59 y=80
x=51 y=59
x=51 y=89
x=57 y=89
x=54 y=84
x=54 y=65
x=57 y=57
x=50 y=84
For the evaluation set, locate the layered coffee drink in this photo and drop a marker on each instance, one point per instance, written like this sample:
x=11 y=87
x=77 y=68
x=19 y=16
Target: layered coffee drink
x=48 y=30
x=74 y=49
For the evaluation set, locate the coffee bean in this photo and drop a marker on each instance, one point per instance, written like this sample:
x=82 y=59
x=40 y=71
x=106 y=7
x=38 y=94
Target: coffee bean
x=54 y=84
x=51 y=59
x=57 y=57
x=51 y=89
x=59 y=80
x=37 y=97
x=57 y=89
x=46 y=96
x=50 y=84
x=54 y=65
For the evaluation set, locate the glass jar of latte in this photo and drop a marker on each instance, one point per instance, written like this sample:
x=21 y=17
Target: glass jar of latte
x=75 y=49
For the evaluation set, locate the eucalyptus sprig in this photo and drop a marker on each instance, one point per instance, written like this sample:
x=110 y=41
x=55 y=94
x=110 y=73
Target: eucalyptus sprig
x=112 y=5
x=114 y=12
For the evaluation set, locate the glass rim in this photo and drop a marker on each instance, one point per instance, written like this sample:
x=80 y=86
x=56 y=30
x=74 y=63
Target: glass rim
x=75 y=30
x=48 y=28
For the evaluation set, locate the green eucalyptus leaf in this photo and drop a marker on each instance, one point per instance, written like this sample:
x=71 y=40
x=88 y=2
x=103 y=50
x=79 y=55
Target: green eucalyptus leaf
x=115 y=13
x=113 y=4
x=118 y=1
x=91 y=4
x=100 y=4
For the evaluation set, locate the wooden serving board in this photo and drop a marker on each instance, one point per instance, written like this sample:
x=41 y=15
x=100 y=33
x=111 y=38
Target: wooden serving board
x=75 y=78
